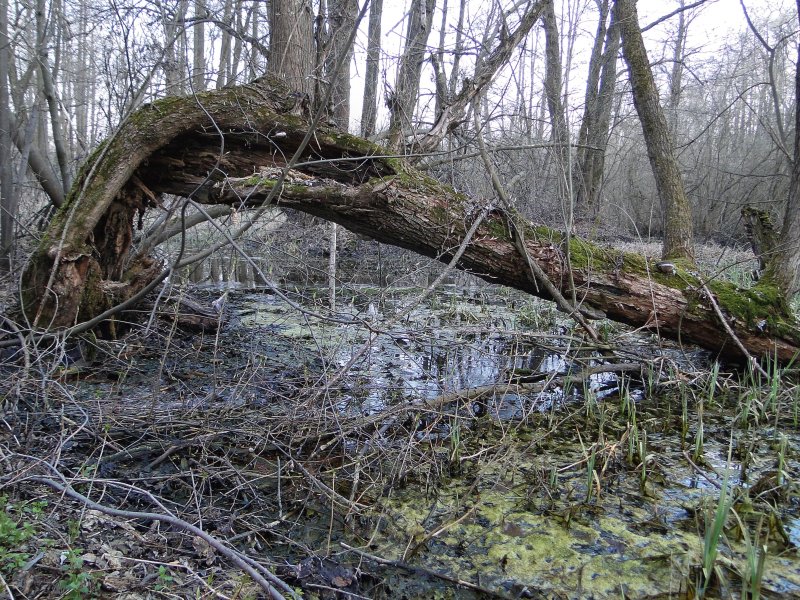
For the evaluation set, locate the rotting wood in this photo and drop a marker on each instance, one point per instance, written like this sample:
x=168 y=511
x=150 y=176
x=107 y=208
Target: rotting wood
x=176 y=146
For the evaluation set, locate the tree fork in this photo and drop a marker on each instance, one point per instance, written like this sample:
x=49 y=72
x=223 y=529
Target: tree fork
x=230 y=147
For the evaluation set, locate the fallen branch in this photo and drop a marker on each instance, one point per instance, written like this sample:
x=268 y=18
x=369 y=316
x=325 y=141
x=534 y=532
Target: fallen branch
x=258 y=573
x=751 y=361
x=429 y=572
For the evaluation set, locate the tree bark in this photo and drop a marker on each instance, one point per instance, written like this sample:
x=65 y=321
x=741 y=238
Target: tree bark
x=369 y=111
x=593 y=136
x=402 y=101
x=292 y=43
x=199 y=48
x=552 y=86
x=8 y=196
x=678 y=238
x=342 y=19
x=783 y=267
x=80 y=267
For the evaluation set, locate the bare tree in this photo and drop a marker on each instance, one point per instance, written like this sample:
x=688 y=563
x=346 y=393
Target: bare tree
x=292 y=43
x=593 y=135
x=402 y=100
x=173 y=19
x=50 y=94
x=199 y=47
x=369 y=109
x=8 y=198
x=342 y=19
x=225 y=58
x=783 y=266
x=678 y=239
x=553 y=89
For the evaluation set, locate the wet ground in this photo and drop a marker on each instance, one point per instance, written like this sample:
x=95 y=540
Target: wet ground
x=476 y=447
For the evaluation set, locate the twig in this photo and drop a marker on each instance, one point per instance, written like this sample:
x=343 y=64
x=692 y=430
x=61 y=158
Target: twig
x=328 y=491
x=430 y=572
x=8 y=588
x=700 y=471
x=259 y=575
x=753 y=362
x=412 y=550
x=536 y=272
x=532 y=387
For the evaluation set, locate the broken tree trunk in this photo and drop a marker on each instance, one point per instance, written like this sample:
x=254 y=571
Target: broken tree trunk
x=232 y=146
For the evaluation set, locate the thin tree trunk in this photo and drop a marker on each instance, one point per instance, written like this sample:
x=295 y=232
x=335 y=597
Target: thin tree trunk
x=342 y=20
x=342 y=17
x=254 y=61
x=403 y=99
x=224 y=65
x=552 y=85
x=8 y=197
x=676 y=74
x=175 y=57
x=370 y=104
x=332 y=252
x=199 y=47
x=678 y=241
x=49 y=90
x=241 y=30
x=580 y=185
x=81 y=84
x=597 y=121
x=458 y=51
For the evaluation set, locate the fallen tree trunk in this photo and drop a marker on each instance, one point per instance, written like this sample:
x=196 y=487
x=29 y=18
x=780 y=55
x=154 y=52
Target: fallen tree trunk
x=233 y=146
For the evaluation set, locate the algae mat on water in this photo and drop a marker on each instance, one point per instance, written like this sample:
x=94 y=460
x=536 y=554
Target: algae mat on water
x=519 y=525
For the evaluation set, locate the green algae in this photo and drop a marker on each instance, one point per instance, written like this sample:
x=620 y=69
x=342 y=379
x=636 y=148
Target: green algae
x=500 y=522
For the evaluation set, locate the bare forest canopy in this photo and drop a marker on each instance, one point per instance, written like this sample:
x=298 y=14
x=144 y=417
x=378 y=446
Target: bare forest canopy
x=244 y=146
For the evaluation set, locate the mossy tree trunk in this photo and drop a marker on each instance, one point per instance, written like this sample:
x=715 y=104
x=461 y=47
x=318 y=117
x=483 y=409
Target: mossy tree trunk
x=176 y=146
x=678 y=238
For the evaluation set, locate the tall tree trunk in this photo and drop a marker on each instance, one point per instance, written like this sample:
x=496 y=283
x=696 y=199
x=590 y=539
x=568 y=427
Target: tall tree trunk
x=580 y=175
x=224 y=65
x=342 y=19
x=458 y=51
x=8 y=197
x=236 y=57
x=403 y=99
x=552 y=82
x=593 y=77
x=49 y=92
x=595 y=126
x=292 y=43
x=369 y=110
x=676 y=73
x=678 y=240
x=783 y=267
x=175 y=38
x=199 y=47
x=254 y=62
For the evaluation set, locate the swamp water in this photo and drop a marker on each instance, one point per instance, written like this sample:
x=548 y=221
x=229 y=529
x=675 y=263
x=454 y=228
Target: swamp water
x=536 y=485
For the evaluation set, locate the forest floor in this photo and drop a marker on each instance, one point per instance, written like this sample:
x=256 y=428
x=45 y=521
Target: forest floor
x=477 y=447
